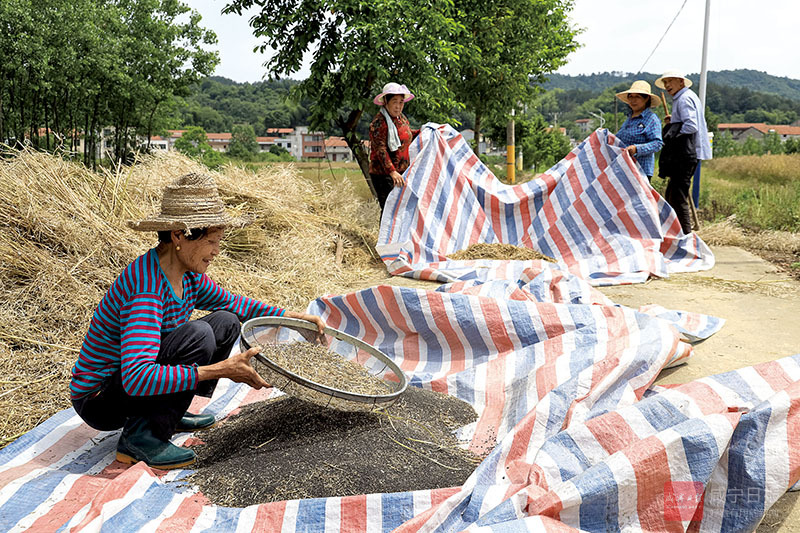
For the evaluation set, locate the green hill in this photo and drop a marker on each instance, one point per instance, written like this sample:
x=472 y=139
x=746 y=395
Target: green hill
x=742 y=78
x=732 y=95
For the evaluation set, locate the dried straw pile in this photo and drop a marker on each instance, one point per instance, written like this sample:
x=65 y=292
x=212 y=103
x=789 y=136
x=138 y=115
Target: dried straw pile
x=63 y=240
x=499 y=251
x=728 y=233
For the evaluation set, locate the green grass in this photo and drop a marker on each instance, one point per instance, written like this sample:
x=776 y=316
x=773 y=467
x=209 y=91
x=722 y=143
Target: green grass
x=762 y=191
x=334 y=174
x=319 y=172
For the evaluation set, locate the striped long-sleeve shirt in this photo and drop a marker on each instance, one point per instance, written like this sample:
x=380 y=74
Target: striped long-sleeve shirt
x=126 y=329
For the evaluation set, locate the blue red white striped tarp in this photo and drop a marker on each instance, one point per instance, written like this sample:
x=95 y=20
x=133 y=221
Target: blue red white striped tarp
x=574 y=433
x=594 y=212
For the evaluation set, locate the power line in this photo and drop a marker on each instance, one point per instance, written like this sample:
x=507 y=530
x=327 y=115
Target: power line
x=662 y=37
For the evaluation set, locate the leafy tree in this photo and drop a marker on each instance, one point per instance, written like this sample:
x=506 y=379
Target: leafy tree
x=211 y=158
x=791 y=146
x=278 y=150
x=194 y=143
x=751 y=146
x=712 y=120
x=725 y=146
x=508 y=46
x=243 y=142
x=206 y=117
x=542 y=145
x=218 y=103
x=279 y=117
x=772 y=143
x=360 y=45
x=71 y=68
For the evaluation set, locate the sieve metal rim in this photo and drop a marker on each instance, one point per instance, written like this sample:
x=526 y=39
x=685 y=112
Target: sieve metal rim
x=294 y=323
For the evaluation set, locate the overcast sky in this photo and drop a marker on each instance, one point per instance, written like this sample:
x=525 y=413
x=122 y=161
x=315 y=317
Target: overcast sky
x=618 y=36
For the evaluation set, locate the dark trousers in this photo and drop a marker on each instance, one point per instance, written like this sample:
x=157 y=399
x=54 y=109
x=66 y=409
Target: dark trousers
x=201 y=342
x=383 y=186
x=677 y=196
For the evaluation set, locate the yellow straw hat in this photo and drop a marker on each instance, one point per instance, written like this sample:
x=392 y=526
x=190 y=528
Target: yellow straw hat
x=192 y=201
x=638 y=87
x=673 y=74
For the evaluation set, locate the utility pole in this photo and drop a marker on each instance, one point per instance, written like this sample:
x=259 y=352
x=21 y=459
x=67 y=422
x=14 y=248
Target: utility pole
x=511 y=151
x=703 y=70
x=703 y=79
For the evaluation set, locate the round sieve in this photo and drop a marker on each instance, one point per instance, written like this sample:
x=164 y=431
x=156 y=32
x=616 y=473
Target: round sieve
x=280 y=330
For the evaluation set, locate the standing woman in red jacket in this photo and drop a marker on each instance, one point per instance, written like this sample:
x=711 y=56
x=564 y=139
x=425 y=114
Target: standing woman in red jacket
x=390 y=135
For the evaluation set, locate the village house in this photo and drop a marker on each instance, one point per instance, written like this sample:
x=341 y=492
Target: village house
x=741 y=131
x=299 y=142
x=337 y=150
x=584 y=125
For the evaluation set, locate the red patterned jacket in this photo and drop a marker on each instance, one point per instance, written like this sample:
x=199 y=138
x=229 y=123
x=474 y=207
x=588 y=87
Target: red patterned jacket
x=381 y=160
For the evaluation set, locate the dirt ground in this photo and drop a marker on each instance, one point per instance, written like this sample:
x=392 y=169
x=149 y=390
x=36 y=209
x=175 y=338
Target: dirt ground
x=760 y=304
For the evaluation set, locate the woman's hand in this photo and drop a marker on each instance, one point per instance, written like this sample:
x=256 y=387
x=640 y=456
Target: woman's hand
x=397 y=178
x=631 y=149
x=308 y=318
x=236 y=368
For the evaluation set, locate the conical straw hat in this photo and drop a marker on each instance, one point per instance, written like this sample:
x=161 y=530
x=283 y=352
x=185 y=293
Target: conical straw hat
x=192 y=201
x=638 y=87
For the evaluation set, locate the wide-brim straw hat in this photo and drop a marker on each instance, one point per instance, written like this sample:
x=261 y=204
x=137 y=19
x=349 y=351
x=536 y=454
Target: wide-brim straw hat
x=393 y=88
x=673 y=74
x=190 y=202
x=638 y=87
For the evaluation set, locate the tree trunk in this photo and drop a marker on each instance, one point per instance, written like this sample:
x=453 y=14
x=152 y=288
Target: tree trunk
x=3 y=137
x=93 y=128
x=20 y=103
x=56 y=122
x=34 y=132
x=46 y=124
x=86 y=140
x=150 y=123
x=477 y=131
x=348 y=128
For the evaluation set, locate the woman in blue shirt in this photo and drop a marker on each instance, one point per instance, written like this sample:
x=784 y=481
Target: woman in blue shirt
x=641 y=133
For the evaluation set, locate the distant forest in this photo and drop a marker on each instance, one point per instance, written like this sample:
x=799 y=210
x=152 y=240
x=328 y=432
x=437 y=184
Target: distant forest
x=216 y=104
x=732 y=95
x=743 y=78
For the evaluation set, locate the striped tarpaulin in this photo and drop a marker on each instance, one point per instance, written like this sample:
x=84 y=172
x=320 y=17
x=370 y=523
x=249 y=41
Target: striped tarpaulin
x=575 y=434
x=594 y=211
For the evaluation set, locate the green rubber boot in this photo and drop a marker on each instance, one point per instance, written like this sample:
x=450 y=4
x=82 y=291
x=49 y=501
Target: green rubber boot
x=137 y=443
x=192 y=422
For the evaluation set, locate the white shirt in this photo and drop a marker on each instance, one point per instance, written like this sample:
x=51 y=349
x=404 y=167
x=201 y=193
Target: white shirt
x=687 y=108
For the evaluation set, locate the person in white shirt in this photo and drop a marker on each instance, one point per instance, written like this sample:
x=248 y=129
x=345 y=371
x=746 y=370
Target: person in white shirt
x=686 y=143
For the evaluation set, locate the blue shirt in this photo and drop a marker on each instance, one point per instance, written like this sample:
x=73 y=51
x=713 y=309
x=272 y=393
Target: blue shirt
x=644 y=132
x=687 y=108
